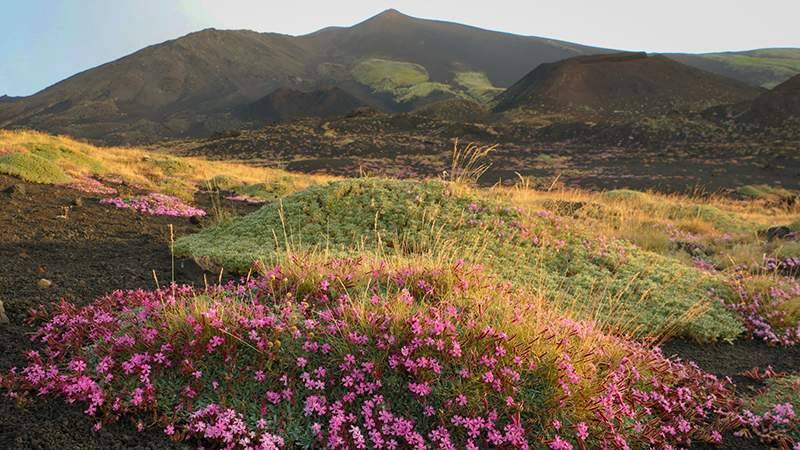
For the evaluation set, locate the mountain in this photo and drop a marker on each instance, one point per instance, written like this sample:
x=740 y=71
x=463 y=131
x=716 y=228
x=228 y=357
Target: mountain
x=287 y=104
x=194 y=85
x=621 y=83
x=774 y=107
x=765 y=67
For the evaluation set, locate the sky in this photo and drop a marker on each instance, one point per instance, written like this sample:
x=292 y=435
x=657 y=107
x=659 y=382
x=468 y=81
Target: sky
x=45 y=41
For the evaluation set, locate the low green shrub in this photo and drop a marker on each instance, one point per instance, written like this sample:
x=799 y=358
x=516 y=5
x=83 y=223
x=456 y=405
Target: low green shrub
x=628 y=289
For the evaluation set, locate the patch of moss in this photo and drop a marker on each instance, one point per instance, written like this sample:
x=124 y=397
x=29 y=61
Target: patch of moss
x=74 y=157
x=477 y=85
x=33 y=168
x=384 y=75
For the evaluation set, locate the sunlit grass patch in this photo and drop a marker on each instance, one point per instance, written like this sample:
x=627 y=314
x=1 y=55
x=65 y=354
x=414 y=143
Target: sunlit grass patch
x=618 y=285
x=33 y=168
x=43 y=158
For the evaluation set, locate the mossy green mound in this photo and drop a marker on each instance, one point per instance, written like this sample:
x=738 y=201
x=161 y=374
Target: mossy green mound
x=617 y=283
x=33 y=168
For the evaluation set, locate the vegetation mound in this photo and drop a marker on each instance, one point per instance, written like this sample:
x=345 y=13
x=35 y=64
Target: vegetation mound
x=623 y=82
x=342 y=354
x=33 y=168
x=47 y=159
x=614 y=282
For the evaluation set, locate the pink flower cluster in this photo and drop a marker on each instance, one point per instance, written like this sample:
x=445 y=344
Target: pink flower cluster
x=155 y=204
x=291 y=359
x=763 y=316
x=775 y=425
x=90 y=186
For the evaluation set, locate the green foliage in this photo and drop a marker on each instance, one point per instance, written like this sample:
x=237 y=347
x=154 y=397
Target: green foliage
x=272 y=190
x=60 y=153
x=678 y=211
x=224 y=182
x=33 y=168
x=785 y=389
x=384 y=75
x=171 y=166
x=423 y=90
x=615 y=282
x=625 y=195
x=773 y=65
x=477 y=85
x=408 y=81
x=764 y=192
x=268 y=191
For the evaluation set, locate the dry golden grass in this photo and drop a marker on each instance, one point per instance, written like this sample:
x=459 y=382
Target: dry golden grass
x=151 y=170
x=643 y=217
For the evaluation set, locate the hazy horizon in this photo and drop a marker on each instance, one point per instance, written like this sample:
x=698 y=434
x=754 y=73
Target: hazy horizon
x=48 y=41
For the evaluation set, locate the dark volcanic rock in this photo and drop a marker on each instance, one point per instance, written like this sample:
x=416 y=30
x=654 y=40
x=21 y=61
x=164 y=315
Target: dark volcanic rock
x=15 y=190
x=286 y=104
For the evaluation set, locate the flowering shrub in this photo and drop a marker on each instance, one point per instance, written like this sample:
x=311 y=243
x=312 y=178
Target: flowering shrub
x=771 y=414
x=347 y=355
x=763 y=313
x=789 y=266
x=155 y=204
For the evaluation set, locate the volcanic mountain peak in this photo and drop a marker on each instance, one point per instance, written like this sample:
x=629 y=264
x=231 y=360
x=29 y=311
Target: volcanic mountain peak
x=390 y=14
x=621 y=82
x=196 y=84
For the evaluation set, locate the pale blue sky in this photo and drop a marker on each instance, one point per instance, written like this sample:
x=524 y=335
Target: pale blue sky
x=44 y=41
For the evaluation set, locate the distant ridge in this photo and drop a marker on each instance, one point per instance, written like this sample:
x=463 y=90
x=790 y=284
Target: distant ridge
x=201 y=83
x=196 y=84
x=626 y=82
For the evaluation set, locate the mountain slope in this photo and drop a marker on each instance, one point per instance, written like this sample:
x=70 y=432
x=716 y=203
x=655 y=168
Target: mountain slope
x=286 y=104
x=443 y=48
x=621 y=82
x=764 y=67
x=776 y=106
x=193 y=85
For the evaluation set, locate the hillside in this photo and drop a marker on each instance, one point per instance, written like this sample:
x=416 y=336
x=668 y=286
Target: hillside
x=764 y=67
x=191 y=85
x=621 y=83
x=776 y=106
x=286 y=104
